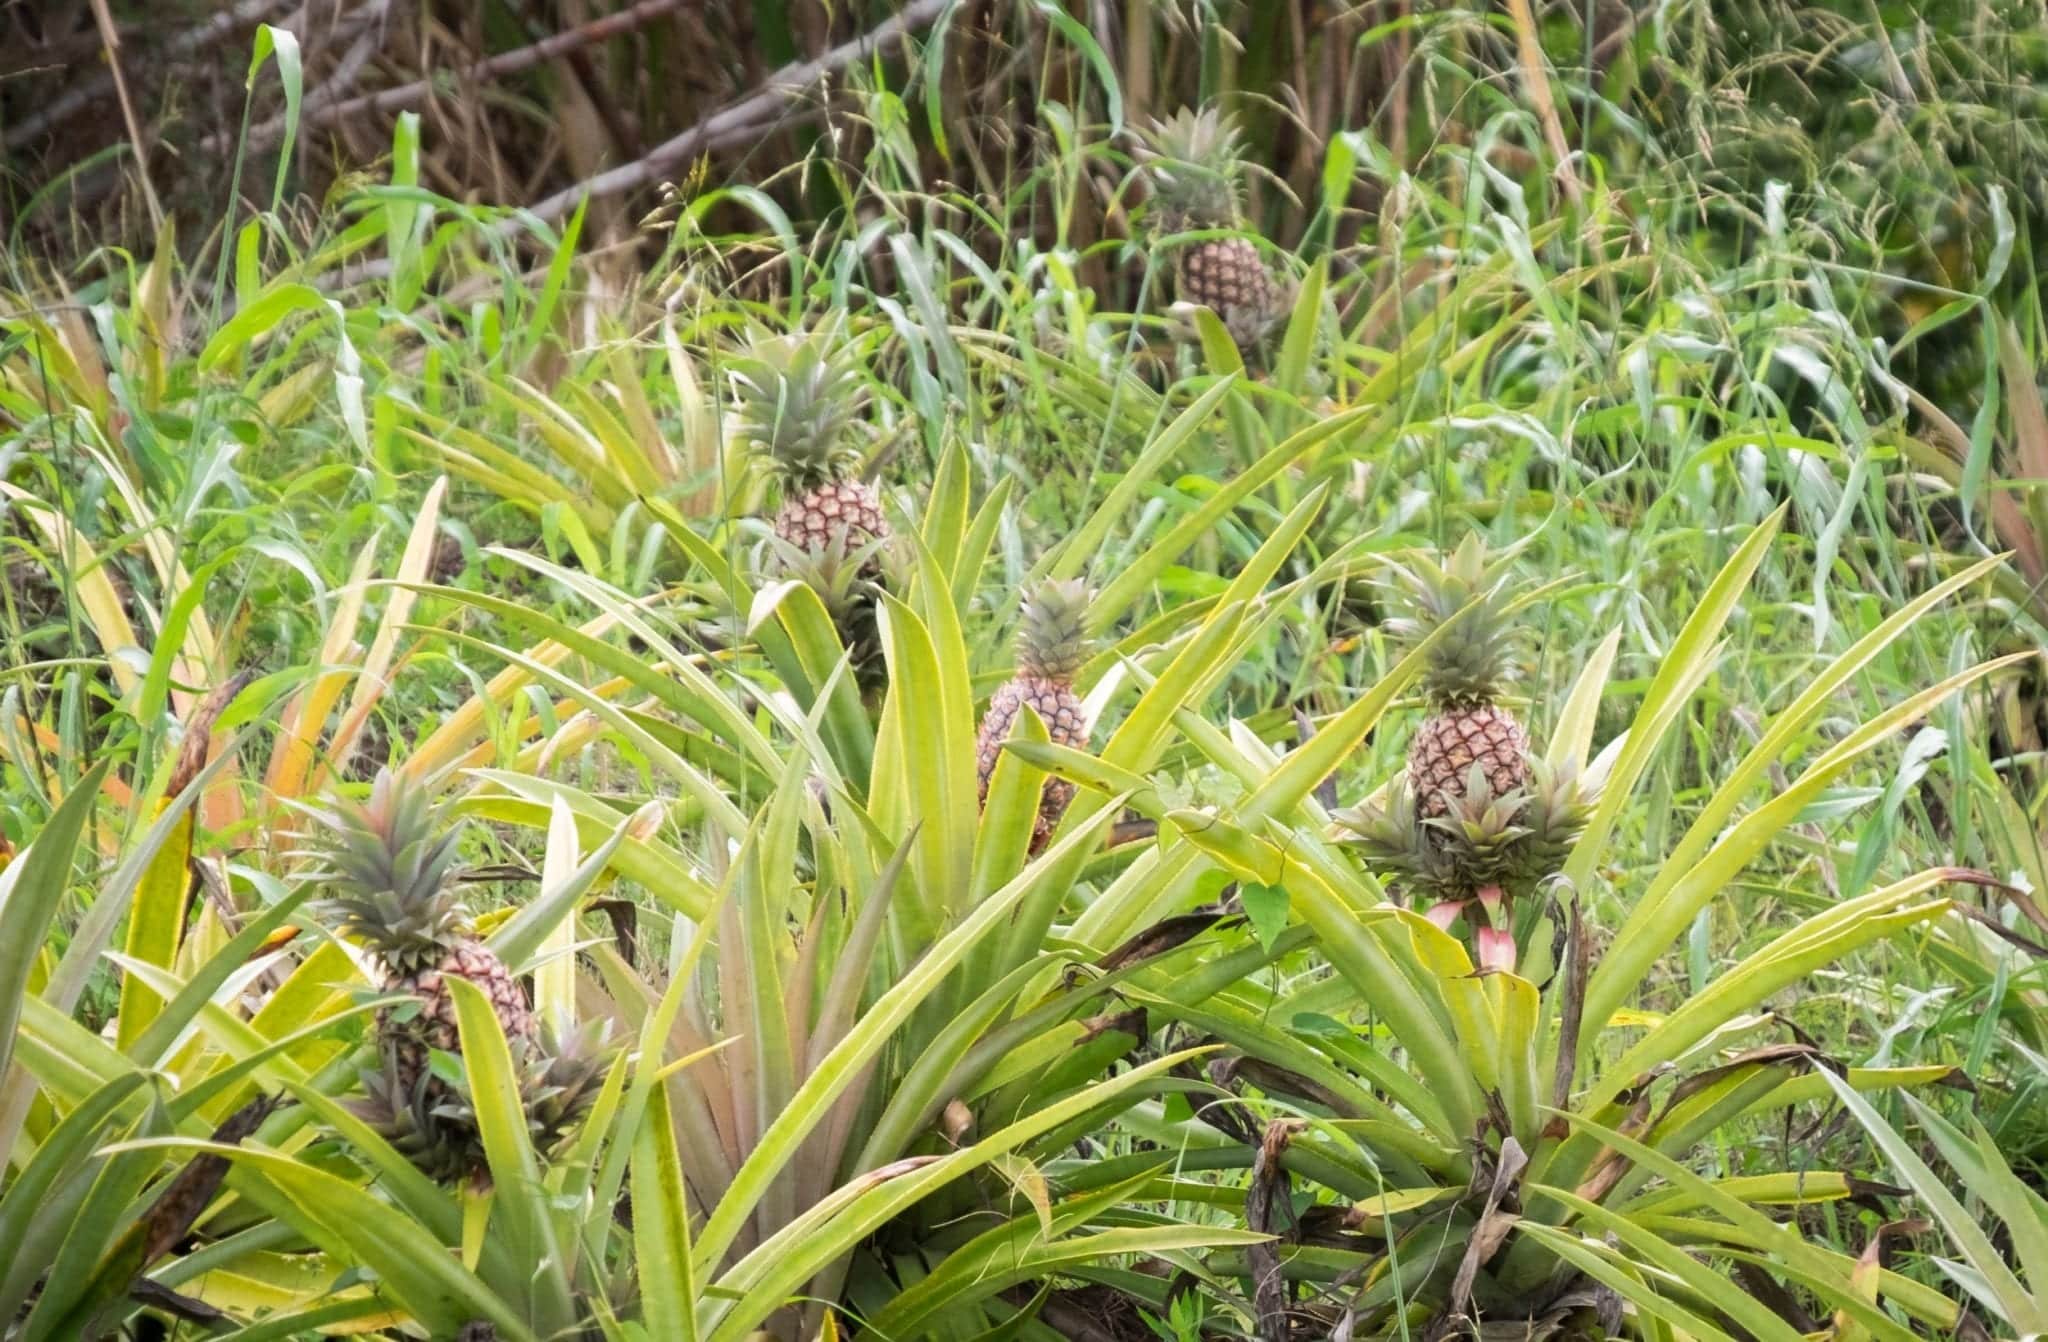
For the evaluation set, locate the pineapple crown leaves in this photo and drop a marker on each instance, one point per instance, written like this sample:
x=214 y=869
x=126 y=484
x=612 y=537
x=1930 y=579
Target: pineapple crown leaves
x=1560 y=803
x=1474 y=595
x=1386 y=832
x=438 y=1135
x=1052 y=630
x=1514 y=840
x=1395 y=844
x=847 y=574
x=1193 y=161
x=1486 y=827
x=388 y=865
x=562 y=1082
x=797 y=395
x=437 y=1128
x=845 y=571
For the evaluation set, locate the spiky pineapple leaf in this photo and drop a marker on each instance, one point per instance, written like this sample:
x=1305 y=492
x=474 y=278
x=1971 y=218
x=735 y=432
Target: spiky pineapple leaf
x=813 y=1099
x=661 y=1227
x=416 y=1271
x=786 y=1260
x=521 y=1205
x=33 y=1213
x=1995 y=1284
x=521 y=937
x=31 y=887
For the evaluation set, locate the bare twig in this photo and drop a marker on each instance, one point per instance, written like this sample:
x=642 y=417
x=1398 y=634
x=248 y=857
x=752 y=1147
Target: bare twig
x=49 y=56
x=777 y=90
x=736 y=123
x=499 y=66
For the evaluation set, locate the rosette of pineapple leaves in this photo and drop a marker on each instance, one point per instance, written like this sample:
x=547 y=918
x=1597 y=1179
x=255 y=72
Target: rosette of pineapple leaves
x=92 y=1229
x=313 y=1193
x=934 y=1033
x=91 y=1233
x=296 y=1201
x=318 y=1192
x=1465 y=1138
x=672 y=689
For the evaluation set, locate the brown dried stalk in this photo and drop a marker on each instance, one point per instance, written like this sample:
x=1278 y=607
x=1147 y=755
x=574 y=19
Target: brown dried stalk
x=110 y=36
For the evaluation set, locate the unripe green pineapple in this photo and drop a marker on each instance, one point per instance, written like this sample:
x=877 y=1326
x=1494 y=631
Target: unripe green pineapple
x=1463 y=679
x=1194 y=163
x=389 y=869
x=1052 y=642
x=797 y=399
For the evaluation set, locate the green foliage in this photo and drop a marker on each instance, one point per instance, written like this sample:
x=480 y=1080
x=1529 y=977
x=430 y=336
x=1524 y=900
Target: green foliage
x=1721 y=323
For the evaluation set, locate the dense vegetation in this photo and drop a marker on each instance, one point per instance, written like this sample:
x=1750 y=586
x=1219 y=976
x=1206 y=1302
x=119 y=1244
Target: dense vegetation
x=990 y=670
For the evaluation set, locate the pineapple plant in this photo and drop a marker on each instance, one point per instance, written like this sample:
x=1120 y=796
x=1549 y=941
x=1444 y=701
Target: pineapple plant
x=389 y=863
x=1052 y=643
x=1193 y=162
x=797 y=396
x=389 y=868
x=1474 y=818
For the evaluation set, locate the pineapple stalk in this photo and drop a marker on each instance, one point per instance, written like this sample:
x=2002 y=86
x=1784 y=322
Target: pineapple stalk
x=1051 y=645
x=1193 y=163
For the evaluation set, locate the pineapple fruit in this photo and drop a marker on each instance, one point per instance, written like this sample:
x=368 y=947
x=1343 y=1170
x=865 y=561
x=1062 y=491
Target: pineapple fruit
x=1462 y=680
x=797 y=397
x=389 y=866
x=1475 y=819
x=1051 y=645
x=1194 y=164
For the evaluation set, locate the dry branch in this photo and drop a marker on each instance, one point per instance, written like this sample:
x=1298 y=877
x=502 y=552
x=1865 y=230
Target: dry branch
x=247 y=14
x=498 y=67
x=736 y=123
x=777 y=90
x=110 y=38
